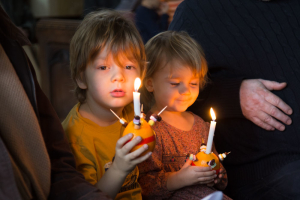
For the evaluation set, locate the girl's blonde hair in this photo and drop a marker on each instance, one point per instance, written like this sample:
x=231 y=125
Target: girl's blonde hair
x=168 y=47
x=106 y=28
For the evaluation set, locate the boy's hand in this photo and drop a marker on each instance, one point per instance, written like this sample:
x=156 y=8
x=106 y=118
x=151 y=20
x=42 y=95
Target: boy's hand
x=125 y=161
x=193 y=175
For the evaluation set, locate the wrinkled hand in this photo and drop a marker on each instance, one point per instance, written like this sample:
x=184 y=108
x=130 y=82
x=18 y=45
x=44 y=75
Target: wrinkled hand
x=193 y=175
x=261 y=106
x=125 y=161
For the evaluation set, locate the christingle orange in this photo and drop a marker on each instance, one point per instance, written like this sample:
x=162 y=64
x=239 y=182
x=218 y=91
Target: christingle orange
x=204 y=160
x=146 y=133
x=139 y=127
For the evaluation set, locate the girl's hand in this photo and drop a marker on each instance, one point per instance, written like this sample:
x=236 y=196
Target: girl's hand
x=192 y=175
x=220 y=181
x=125 y=161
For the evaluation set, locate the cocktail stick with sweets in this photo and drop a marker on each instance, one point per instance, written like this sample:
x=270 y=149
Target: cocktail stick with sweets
x=139 y=126
x=204 y=160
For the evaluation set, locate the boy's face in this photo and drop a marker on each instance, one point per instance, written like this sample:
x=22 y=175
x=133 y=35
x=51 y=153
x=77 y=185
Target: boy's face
x=178 y=91
x=109 y=85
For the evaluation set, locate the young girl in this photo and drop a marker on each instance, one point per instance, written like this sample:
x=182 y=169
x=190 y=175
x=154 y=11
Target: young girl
x=175 y=74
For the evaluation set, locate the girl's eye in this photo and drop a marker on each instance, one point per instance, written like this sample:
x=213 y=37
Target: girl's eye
x=174 y=84
x=194 y=84
x=102 y=67
x=129 y=67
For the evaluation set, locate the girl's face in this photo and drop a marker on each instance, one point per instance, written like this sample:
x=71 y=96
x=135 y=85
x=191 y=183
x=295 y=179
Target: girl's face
x=109 y=85
x=175 y=85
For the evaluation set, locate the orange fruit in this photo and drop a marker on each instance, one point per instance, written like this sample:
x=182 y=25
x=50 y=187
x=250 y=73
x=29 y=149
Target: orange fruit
x=203 y=159
x=146 y=133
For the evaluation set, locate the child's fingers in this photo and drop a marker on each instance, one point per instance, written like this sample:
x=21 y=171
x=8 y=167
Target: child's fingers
x=216 y=181
x=137 y=152
x=201 y=169
x=123 y=140
x=187 y=164
x=142 y=158
x=222 y=171
x=221 y=176
x=205 y=182
x=129 y=145
x=211 y=184
x=205 y=179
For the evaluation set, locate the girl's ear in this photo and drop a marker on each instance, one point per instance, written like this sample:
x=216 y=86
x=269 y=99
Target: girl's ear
x=149 y=84
x=80 y=82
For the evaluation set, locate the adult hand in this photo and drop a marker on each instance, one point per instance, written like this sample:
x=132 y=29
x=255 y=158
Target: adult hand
x=262 y=107
x=163 y=8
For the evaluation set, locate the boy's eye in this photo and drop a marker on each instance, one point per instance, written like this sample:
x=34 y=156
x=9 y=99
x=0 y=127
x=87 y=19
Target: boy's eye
x=174 y=84
x=194 y=84
x=103 y=67
x=129 y=67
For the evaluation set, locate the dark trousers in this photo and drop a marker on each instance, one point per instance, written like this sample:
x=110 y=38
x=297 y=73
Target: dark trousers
x=281 y=185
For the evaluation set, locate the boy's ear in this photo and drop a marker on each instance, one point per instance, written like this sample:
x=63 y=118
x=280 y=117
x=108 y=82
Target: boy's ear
x=80 y=82
x=149 y=84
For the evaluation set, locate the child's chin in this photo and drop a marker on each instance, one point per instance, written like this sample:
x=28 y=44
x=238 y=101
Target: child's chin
x=180 y=109
x=119 y=103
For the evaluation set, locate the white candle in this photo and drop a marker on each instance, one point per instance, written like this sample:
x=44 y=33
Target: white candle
x=211 y=132
x=136 y=97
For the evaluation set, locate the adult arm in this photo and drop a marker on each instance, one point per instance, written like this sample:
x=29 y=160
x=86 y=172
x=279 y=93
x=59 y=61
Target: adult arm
x=235 y=97
x=147 y=25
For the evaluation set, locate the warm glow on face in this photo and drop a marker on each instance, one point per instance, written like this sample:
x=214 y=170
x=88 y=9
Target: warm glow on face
x=212 y=114
x=137 y=84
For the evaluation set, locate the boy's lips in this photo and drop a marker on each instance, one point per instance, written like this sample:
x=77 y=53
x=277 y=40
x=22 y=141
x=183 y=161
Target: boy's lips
x=117 y=93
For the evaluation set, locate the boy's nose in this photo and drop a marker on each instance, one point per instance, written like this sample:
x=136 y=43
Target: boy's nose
x=118 y=75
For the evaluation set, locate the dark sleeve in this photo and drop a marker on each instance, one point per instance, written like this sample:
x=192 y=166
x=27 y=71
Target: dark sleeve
x=164 y=23
x=147 y=26
x=220 y=93
x=66 y=182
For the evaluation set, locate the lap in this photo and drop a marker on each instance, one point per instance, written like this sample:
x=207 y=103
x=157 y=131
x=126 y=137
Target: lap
x=283 y=184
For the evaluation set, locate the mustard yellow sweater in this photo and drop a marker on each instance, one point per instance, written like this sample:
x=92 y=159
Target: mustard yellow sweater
x=94 y=148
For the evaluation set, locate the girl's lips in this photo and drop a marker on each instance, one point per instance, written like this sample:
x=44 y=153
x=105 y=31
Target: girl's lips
x=118 y=93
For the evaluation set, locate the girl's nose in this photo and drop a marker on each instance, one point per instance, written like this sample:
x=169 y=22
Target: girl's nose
x=185 y=89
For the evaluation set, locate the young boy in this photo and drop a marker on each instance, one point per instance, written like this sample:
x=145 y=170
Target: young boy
x=106 y=55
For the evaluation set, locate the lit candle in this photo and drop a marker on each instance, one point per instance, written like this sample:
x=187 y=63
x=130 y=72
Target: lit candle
x=211 y=131
x=136 y=97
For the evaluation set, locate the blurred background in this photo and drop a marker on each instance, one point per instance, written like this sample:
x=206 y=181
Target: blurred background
x=50 y=25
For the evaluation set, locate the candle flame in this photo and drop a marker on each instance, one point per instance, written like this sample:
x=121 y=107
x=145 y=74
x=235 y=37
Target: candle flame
x=212 y=114
x=137 y=84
